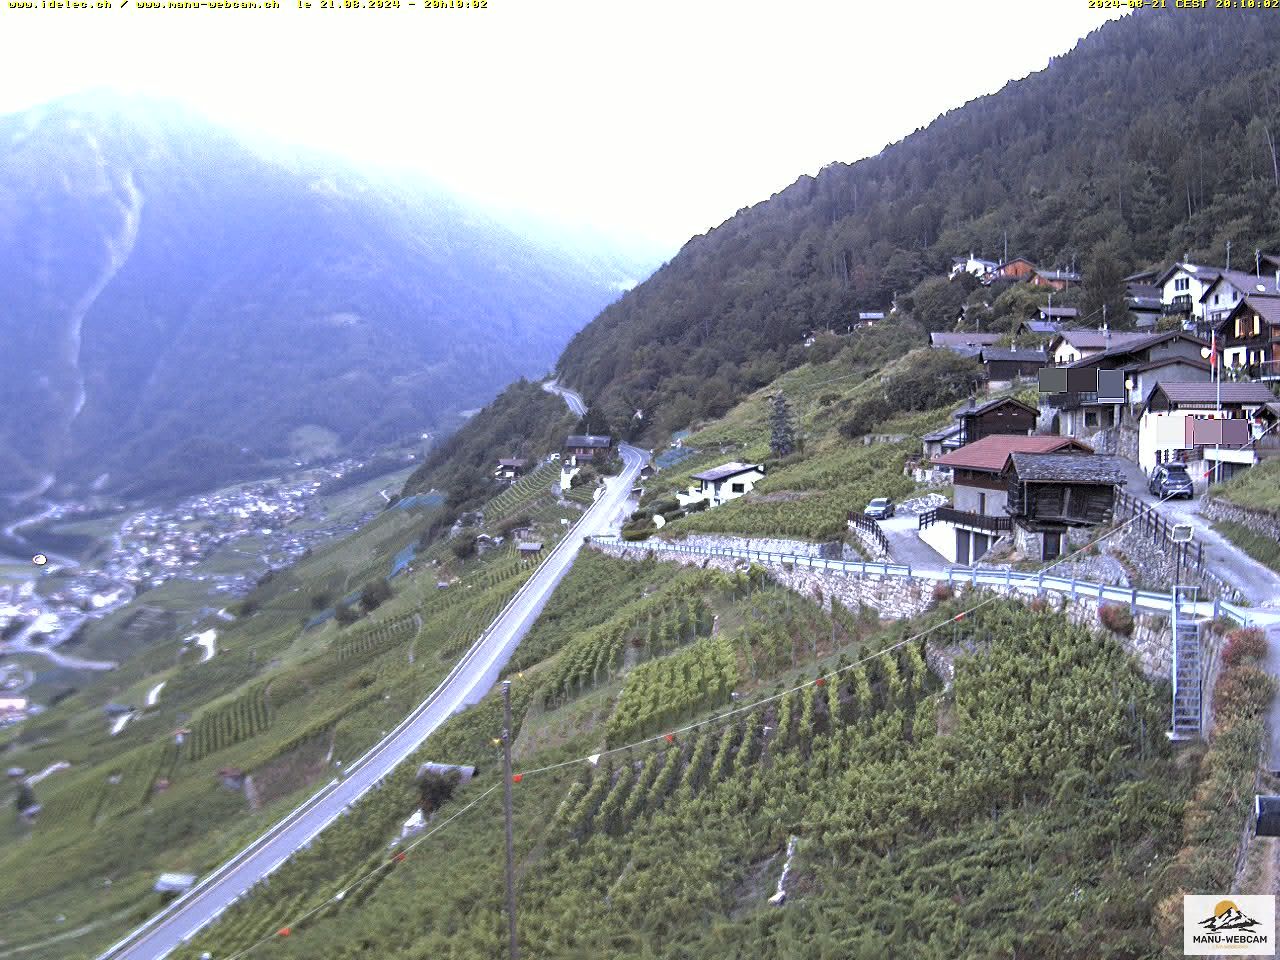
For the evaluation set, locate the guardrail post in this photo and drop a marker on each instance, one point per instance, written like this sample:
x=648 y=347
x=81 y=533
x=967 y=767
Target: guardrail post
x=908 y=571
x=1217 y=608
x=1133 y=601
x=1073 y=588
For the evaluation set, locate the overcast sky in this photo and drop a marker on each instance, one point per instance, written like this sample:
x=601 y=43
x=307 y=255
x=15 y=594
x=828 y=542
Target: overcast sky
x=652 y=121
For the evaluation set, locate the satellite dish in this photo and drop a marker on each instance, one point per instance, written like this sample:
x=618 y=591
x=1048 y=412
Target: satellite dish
x=1181 y=533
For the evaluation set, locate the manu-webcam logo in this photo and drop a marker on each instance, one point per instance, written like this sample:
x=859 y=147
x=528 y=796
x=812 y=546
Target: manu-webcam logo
x=1236 y=925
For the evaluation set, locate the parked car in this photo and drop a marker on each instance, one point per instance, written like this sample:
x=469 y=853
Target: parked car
x=1171 y=480
x=881 y=508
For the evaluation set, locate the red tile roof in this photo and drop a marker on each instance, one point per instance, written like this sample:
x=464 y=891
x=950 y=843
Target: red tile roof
x=991 y=453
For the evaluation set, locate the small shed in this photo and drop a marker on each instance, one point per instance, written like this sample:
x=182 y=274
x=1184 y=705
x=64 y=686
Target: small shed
x=1266 y=815
x=174 y=882
x=441 y=769
x=1068 y=489
x=530 y=546
x=509 y=468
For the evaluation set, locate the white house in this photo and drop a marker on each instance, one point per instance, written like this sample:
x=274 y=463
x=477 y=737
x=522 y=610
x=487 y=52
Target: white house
x=726 y=482
x=1068 y=346
x=1183 y=285
x=973 y=265
x=1164 y=433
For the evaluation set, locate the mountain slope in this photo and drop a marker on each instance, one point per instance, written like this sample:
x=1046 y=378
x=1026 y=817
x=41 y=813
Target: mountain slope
x=1119 y=152
x=177 y=304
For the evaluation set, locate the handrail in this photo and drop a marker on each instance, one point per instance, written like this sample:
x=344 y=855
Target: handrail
x=279 y=826
x=975 y=576
x=868 y=525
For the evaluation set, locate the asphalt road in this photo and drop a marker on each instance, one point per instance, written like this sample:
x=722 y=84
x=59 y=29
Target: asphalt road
x=571 y=397
x=468 y=683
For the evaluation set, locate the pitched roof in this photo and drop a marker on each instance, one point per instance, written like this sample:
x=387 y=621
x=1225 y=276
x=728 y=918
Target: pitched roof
x=1016 y=260
x=1143 y=341
x=1247 y=283
x=1266 y=307
x=1067 y=467
x=1166 y=361
x=1041 y=326
x=587 y=440
x=727 y=470
x=962 y=339
x=1206 y=273
x=1249 y=392
x=512 y=462
x=1067 y=313
x=966 y=410
x=991 y=454
x=1098 y=340
x=1004 y=353
x=937 y=435
x=1058 y=275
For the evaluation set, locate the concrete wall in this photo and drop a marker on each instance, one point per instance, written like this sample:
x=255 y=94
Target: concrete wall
x=834 y=550
x=966 y=498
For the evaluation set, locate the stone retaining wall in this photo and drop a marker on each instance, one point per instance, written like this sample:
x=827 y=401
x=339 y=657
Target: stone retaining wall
x=1258 y=520
x=899 y=598
x=834 y=550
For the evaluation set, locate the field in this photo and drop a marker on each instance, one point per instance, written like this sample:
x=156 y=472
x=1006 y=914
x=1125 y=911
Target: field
x=936 y=819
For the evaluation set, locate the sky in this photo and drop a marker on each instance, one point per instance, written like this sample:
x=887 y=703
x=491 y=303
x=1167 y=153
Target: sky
x=650 y=122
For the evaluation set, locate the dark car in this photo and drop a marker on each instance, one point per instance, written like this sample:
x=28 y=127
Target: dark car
x=881 y=508
x=1171 y=480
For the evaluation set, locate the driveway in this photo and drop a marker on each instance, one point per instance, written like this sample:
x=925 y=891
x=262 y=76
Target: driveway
x=905 y=544
x=1259 y=583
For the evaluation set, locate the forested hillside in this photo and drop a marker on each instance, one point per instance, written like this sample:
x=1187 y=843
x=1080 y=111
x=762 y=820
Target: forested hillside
x=1155 y=137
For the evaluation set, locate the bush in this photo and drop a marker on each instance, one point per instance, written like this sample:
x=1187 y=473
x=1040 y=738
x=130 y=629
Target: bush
x=375 y=594
x=942 y=592
x=1247 y=643
x=346 y=614
x=697 y=507
x=637 y=533
x=1116 y=618
x=666 y=505
x=1243 y=692
x=463 y=545
x=321 y=600
x=586 y=476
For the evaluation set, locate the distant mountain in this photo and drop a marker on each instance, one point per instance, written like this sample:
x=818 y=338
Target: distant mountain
x=1157 y=135
x=178 y=306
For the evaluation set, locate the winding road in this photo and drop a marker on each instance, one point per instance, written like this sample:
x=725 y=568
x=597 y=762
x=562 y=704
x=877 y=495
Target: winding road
x=469 y=681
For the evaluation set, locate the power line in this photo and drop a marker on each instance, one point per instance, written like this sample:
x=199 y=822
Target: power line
x=668 y=737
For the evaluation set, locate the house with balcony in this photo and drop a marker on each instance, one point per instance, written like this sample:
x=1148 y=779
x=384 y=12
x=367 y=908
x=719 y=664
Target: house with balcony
x=1222 y=296
x=1249 y=338
x=1172 y=427
x=1055 y=279
x=729 y=481
x=973 y=421
x=1102 y=387
x=1052 y=495
x=1183 y=285
x=964 y=531
x=511 y=468
x=1002 y=366
x=586 y=447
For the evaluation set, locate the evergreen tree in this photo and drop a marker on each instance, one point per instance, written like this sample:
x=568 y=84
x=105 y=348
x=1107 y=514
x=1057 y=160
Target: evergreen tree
x=782 y=440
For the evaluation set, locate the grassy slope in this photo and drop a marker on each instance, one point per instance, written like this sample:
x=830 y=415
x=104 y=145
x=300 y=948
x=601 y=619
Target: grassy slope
x=1255 y=489
x=276 y=700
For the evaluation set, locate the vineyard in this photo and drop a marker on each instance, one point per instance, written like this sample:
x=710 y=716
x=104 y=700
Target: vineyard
x=938 y=822
x=245 y=717
x=661 y=692
x=521 y=493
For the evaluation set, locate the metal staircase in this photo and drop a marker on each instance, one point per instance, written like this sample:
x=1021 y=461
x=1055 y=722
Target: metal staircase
x=1186 y=665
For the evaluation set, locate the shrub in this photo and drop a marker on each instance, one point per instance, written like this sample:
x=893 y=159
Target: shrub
x=321 y=600
x=1116 y=618
x=1039 y=605
x=375 y=594
x=463 y=545
x=1248 y=643
x=942 y=592
x=638 y=533
x=1244 y=691
x=697 y=507
x=346 y=614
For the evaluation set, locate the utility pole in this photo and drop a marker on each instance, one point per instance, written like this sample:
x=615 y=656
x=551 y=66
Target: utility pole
x=1228 y=254
x=514 y=949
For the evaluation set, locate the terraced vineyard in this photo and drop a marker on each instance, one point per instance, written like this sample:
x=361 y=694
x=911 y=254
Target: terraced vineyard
x=245 y=717
x=521 y=493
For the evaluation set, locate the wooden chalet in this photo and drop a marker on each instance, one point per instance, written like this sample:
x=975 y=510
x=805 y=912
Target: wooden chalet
x=587 y=447
x=1249 y=337
x=1018 y=268
x=511 y=468
x=1049 y=493
x=1007 y=364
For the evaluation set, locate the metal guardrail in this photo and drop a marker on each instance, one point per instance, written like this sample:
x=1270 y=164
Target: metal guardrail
x=1186 y=556
x=870 y=526
x=277 y=828
x=965 y=518
x=1039 y=581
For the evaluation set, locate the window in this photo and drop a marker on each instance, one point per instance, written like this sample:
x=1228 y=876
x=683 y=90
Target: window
x=1257 y=324
x=739 y=488
x=982 y=503
x=1216 y=298
x=1182 y=283
x=1090 y=418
